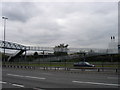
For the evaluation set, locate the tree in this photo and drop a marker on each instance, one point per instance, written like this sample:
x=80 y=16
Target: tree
x=36 y=54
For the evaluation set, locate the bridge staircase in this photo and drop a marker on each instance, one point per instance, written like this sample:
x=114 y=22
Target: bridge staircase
x=17 y=54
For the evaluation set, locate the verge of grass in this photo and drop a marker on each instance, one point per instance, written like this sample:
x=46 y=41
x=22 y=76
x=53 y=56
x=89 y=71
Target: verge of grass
x=58 y=64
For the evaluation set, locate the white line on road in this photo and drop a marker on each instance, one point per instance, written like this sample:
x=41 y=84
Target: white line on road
x=17 y=85
x=112 y=77
x=47 y=73
x=15 y=75
x=34 y=77
x=2 y=82
x=38 y=89
x=96 y=83
x=25 y=76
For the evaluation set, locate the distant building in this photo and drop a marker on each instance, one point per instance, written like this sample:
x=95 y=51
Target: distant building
x=61 y=48
x=113 y=46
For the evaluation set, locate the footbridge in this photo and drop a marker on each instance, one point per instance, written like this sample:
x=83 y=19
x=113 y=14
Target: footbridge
x=21 y=48
x=15 y=46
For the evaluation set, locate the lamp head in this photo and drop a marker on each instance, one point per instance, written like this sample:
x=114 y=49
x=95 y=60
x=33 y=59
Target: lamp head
x=4 y=18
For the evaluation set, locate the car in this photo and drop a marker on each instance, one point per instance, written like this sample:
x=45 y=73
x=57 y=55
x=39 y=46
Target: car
x=83 y=64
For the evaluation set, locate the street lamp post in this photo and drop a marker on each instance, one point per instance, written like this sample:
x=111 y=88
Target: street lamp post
x=4 y=18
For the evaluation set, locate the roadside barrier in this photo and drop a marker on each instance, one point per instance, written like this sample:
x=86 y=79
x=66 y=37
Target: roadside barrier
x=98 y=69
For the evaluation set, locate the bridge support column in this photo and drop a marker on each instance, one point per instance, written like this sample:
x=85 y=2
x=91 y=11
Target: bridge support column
x=43 y=55
x=25 y=54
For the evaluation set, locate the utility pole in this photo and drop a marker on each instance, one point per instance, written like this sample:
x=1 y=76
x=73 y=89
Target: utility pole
x=4 y=18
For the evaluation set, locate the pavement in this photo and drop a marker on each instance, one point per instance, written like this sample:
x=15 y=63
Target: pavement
x=43 y=79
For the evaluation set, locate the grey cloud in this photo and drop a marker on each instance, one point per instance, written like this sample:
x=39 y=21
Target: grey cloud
x=18 y=11
x=77 y=24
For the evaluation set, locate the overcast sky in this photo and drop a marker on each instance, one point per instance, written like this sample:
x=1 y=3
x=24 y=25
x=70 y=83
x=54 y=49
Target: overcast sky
x=78 y=24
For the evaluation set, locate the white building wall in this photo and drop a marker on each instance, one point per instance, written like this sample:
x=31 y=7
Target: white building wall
x=113 y=47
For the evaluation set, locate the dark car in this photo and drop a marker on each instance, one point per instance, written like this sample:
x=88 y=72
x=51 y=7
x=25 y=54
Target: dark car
x=83 y=64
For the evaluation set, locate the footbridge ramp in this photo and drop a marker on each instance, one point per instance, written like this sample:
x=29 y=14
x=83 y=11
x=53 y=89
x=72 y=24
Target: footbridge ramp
x=13 y=46
x=17 y=54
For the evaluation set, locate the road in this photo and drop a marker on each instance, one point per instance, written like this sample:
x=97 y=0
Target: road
x=41 y=79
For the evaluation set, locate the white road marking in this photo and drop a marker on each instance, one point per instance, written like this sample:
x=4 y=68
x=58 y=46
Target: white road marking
x=34 y=77
x=112 y=77
x=96 y=83
x=15 y=75
x=38 y=89
x=2 y=82
x=11 y=84
x=47 y=73
x=17 y=85
x=25 y=76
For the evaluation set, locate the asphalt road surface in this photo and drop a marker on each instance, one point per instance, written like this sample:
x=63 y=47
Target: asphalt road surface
x=40 y=79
